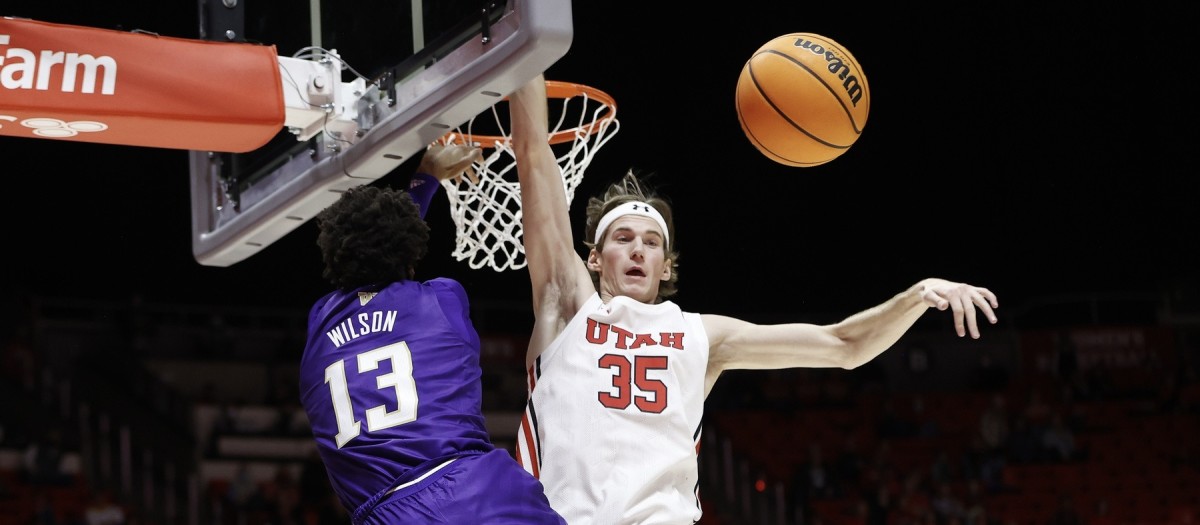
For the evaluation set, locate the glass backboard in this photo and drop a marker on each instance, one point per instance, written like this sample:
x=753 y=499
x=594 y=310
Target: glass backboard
x=409 y=73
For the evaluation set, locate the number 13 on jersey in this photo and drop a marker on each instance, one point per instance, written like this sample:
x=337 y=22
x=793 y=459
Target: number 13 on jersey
x=400 y=380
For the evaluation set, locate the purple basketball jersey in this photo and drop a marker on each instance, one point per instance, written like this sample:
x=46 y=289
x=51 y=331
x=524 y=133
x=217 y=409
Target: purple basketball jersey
x=390 y=380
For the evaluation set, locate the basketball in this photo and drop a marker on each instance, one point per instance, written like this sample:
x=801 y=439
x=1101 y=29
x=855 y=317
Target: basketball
x=802 y=99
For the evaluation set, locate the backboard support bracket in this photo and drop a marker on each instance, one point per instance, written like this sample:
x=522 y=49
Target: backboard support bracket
x=370 y=129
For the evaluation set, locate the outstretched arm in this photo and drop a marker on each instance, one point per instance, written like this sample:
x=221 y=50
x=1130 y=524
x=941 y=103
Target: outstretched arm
x=559 y=278
x=737 y=344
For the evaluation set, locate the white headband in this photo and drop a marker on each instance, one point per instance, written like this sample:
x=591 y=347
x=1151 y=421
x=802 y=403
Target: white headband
x=632 y=208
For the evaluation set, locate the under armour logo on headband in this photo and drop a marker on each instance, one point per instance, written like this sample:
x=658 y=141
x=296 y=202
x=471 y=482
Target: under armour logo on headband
x=632 y=208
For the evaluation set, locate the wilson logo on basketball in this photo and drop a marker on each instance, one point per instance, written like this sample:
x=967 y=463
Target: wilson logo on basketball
x=80 y=73
x=836 y=66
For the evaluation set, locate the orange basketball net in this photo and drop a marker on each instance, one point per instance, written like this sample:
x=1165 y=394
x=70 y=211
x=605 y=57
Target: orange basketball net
x=487 y=213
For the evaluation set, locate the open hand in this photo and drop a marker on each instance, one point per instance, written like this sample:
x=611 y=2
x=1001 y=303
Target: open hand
x=963 y=300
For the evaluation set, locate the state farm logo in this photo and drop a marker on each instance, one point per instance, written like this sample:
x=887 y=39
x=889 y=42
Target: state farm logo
x=22 y=68
x=53 y=128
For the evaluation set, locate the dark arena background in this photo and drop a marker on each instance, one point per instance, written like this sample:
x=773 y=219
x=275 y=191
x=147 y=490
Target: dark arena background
x=1039 y=150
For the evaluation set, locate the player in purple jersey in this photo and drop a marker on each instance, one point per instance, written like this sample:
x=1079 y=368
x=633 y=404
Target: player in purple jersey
x=390 y=377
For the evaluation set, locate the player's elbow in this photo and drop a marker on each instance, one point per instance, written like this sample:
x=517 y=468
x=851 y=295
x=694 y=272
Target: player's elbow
x=858 y=353
x=853 y=355
x=853 y=346
x=851 y=360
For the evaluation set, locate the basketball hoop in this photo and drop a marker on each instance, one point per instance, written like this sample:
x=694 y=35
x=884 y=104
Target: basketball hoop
x=487 y=213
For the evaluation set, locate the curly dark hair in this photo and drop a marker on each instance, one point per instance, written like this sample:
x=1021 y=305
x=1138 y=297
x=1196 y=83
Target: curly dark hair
x=633 y=188
x=371 y=235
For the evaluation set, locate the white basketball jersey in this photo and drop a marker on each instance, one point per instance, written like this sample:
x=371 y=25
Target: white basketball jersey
x=612 y=425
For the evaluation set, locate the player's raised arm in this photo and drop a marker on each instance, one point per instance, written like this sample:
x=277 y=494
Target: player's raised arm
x=559 y=278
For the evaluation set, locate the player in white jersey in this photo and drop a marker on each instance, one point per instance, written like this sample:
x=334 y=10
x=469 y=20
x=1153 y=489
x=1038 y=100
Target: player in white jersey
x=618 y=375
x=624 y=376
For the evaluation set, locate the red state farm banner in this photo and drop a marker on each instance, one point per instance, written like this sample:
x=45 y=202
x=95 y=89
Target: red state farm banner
x=98 y=85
